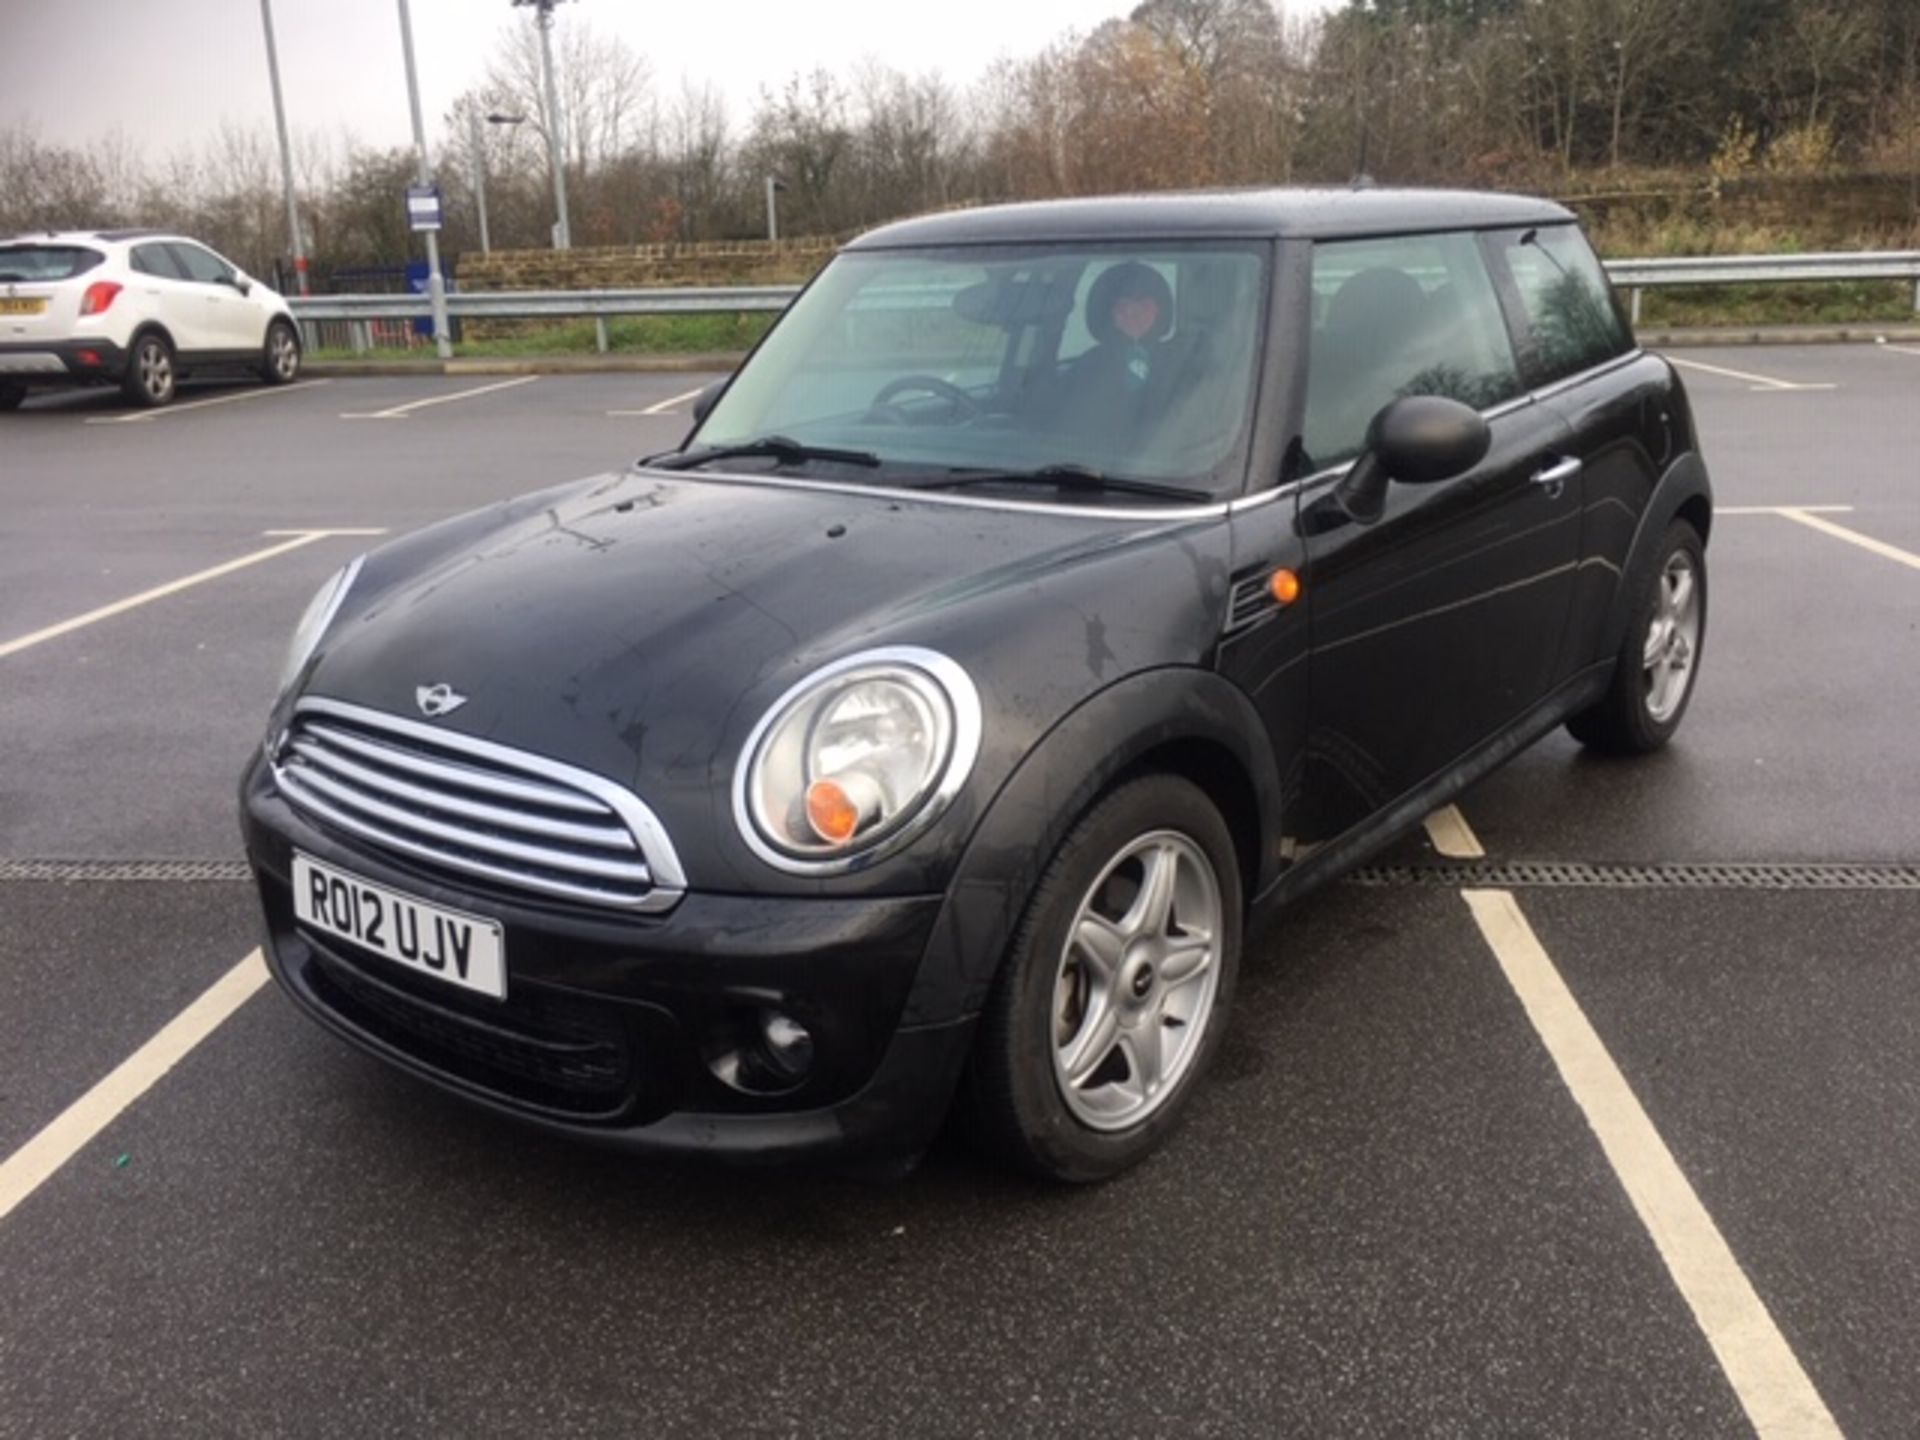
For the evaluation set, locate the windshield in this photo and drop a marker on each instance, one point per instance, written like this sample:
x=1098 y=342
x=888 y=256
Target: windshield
x=1120 y=362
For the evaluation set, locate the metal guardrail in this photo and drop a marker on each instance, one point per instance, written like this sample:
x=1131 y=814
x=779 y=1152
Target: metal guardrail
x=365 y=316
x=1634 y=276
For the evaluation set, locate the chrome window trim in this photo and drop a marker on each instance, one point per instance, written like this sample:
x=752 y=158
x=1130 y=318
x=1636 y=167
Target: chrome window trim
x=968 y=724
x=669 y=879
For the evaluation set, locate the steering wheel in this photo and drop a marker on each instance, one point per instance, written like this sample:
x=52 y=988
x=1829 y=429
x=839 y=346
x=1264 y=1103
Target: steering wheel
x=965 y=407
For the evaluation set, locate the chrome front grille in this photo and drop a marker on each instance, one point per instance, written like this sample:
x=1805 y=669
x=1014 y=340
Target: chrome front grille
x=474 y=809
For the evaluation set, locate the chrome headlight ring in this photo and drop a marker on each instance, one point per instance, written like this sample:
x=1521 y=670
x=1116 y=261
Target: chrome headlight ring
x=890 y=735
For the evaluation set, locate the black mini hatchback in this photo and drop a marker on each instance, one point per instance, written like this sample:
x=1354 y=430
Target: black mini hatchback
x=1055 y=592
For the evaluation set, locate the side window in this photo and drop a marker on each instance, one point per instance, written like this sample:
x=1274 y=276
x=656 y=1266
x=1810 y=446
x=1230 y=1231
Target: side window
x=155 y=260
x=1407 y=315
x=201 y=265
x=1568 y=308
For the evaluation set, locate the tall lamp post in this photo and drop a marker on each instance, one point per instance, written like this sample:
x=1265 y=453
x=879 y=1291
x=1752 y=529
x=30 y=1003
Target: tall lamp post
x=480 y=167
x=543 y=18
x=774 y=186
x=436 y=286
x=286 y=150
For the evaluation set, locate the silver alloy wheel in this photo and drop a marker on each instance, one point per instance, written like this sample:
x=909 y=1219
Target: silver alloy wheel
x=282 y=353
x=1137 y=980
x=156 y=370
x=1673 y=639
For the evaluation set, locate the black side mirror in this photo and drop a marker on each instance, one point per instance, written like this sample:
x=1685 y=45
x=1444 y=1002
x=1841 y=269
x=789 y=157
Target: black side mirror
x=703 y=402
x=1418 y=440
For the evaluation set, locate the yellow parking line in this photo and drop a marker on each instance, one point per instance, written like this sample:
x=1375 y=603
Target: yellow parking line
x=29 y=1167
x=181 y=407
x=1805 y=516
x=172 y=587
x=400 y=412
x=1766 y=1375
x=1452 y=836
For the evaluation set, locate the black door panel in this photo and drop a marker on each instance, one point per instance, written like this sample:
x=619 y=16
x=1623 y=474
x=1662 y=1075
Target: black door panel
x=1440 y=623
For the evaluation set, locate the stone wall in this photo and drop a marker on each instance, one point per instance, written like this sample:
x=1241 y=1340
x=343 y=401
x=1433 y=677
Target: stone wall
x=639 y=267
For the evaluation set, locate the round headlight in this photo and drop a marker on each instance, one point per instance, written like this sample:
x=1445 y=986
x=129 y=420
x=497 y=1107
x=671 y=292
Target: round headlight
x=856 y=760
x=315 y=620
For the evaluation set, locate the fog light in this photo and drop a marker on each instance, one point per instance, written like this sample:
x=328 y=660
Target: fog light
x=88 y=357
x=761 y=1052
x=788 y=1045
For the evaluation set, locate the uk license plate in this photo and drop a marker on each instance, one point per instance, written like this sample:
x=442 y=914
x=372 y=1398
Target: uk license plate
x=16 y=305
x=450 y=945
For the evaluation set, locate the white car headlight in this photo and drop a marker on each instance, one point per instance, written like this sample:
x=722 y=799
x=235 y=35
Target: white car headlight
x=315 y=620
x=857 y=759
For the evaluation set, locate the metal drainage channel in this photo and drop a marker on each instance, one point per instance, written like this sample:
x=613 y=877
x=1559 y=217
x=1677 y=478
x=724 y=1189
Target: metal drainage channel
x=1575 y=875
x=1508 y=875
x=82 y=872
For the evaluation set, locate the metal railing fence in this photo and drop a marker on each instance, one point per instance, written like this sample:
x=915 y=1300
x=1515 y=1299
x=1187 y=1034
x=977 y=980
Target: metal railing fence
x=360 y=322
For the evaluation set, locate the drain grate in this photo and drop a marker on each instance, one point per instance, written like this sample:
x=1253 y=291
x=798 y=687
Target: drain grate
x=1576 y=875
x=1509 y=875
x=78 y=872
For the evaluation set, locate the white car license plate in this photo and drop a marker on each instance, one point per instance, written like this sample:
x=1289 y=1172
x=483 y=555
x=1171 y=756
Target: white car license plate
x=464 y=950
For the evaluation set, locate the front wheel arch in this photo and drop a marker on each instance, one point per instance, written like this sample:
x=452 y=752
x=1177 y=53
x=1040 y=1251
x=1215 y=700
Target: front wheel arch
x=1178 y=720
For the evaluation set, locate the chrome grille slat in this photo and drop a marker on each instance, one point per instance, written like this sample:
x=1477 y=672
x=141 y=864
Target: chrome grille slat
x=479 y=840
x=454 y=773
x=518 y=879
x=475 y=808
x=605 y=837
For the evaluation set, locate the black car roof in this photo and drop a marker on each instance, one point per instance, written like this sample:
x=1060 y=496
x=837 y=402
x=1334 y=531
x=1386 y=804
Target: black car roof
x=1286 y=213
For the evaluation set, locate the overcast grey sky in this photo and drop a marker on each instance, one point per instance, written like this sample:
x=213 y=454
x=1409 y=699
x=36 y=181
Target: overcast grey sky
x=167 y=72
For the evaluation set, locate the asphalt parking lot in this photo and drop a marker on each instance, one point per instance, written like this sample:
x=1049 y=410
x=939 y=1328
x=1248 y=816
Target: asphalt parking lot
x=1408 y=1203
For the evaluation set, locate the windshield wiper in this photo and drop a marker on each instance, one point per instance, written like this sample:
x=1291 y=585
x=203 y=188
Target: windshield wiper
x=782 y=448
x=1065 y=477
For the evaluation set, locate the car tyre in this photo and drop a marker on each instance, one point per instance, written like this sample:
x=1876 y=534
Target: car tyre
x=1654 y=673
x=1122 y=970
x=11 y=396
x=280 y=360
x=151 y=373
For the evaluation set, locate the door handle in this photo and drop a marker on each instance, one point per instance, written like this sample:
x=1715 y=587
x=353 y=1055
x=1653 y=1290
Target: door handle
x=1557 y=474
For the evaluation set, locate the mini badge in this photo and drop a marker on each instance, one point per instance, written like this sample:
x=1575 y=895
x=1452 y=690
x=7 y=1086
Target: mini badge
x=437 y=700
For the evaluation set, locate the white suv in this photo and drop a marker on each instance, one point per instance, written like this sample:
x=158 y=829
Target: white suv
x=133 y=308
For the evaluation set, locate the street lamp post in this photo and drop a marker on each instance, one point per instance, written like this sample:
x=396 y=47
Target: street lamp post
x=436 y=286
x=479 y=178
x=556 y=149
x=286 y=150
x=774 y=186
x=480 y=167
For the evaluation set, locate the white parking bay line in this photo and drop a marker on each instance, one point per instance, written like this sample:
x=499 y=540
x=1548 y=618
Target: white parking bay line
x=1447 y=828
x=172 y=587
x=661 y=407
x=1773 y=1389
x=400 y=412
x=1805 y=516
x=32 y=1164
x=1759 y=382
x=1720 y=510
x=183 y=406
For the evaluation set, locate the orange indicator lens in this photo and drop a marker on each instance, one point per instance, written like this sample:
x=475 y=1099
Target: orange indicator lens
x=831 y=812
x=1284 y=586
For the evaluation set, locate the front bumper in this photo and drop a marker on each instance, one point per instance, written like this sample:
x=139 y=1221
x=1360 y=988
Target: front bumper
x=56 y=362
x=611 y=1023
